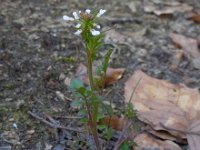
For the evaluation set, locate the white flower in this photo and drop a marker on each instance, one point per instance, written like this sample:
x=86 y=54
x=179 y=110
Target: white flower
x=94 y=32
x=67 y=18
x=88 y=11
x=76 y=16
x=101 y=12
x=97 y=26
x=78 y=32
x=78 y=25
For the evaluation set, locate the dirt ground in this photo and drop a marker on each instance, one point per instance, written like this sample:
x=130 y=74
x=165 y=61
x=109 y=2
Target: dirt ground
x=39 y=52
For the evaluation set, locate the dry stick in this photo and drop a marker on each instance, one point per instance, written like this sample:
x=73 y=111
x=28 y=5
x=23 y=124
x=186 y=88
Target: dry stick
x=123 y=20
x=123 y=136
x=53 y=125
x=67 y=117
x=178 y=130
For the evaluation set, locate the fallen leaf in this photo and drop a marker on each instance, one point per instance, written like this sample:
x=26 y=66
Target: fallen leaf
x=193 y=140
x=146 y=141
x=112 y=75
x=160 y=103
x=190 y=47
x=167 y=9
x=162 y=134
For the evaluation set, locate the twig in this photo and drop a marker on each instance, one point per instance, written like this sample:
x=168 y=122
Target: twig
x=178 y=130
x=68 y=117
x=123 y=136
x=53 y=125
x=123 y=20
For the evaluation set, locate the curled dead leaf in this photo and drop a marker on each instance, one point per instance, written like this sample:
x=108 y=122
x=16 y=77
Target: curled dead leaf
x=114 y=122
x=189 y=46
x=112 y=75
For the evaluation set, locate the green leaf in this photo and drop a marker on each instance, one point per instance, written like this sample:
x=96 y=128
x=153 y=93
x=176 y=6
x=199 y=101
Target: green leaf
x=75 y=84
x=100 y=116
x=82 y=90
x=124 y=146
x=106 y=60
x=129 y=111
x=82 y=112
x=102 y=127
x=84 y=120
x=108 y=133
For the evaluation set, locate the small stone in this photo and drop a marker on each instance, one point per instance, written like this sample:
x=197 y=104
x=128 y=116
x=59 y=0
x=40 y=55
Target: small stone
x=33 y=37
x=67 y=81
x=60 y=95
x=48 y=146
x=62 y=76
x=14 y=126
x=30 y=131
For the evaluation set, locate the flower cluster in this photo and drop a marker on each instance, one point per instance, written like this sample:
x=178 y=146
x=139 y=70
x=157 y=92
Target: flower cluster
x=80 y=17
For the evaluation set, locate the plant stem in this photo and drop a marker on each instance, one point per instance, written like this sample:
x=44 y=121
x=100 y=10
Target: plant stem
x=93 y=118
x=89 y=70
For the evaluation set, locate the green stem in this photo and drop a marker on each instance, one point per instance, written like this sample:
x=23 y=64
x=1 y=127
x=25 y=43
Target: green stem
x=93 y=118
x=89 y=69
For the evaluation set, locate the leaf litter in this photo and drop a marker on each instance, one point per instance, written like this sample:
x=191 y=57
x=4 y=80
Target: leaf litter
x=174 y=108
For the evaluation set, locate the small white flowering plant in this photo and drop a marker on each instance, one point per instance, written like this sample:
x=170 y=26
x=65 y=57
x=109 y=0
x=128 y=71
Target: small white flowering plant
x=89 y=99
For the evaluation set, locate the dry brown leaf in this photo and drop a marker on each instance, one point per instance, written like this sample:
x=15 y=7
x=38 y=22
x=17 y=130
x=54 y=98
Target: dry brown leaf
x=168 y=9
x=114 y=122
x=160 y=102
x=190 y=47
x=164 y=135
x=146 y=141
x=112 y=75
